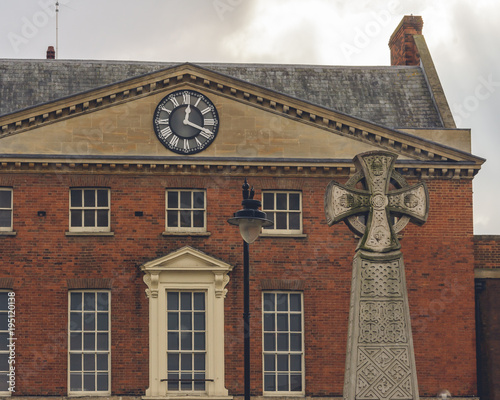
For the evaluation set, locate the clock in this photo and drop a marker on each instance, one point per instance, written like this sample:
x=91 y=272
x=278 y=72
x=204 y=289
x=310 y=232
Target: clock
x=186 y=122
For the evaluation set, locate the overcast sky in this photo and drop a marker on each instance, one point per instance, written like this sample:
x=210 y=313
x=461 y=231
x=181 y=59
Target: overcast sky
x=463 y=37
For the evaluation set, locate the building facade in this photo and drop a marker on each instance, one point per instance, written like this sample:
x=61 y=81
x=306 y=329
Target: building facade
x=119 y=273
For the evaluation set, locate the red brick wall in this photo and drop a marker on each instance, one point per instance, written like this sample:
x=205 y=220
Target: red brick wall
x=41 y=258
x=487 y=251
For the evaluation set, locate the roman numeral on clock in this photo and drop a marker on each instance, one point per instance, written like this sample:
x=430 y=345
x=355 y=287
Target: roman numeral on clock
x=207 y=135
x=174 y=141
x=174 y=102
x=166 y=132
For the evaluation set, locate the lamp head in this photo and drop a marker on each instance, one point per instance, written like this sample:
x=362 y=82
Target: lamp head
x=250 y=219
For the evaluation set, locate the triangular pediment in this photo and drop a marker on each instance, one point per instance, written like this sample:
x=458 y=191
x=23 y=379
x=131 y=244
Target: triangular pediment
x=186 y=259
x=258 y=127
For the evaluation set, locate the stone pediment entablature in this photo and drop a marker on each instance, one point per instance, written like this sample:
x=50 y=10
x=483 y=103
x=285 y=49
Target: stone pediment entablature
x=186 y=264
x=186 y=258
x=419 y=156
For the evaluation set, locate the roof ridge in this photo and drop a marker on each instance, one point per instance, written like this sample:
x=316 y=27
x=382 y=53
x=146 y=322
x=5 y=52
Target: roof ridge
x=206 y=63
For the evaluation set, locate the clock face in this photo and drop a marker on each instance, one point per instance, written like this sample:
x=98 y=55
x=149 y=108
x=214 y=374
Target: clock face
x=186 y=122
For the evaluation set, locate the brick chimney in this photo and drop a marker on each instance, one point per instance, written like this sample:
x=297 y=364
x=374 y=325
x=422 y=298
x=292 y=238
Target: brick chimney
x=51 y=53
x=403 y=48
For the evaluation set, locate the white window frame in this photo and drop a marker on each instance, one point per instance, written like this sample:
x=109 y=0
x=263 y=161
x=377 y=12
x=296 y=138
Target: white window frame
x=191 y=210
x=9 y=313
x=95 y=351
x=271 y=212
x=93 y=208
x=193 y=351
x=11 y=209
x=186 y=269
x=276 y=352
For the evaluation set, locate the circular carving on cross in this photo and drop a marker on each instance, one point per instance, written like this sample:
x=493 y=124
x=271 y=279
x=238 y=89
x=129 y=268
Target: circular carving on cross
x=379 y=201
x=411 y=201
x=358 y=225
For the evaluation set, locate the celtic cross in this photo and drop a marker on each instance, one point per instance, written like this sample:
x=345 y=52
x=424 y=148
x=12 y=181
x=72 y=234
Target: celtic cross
x=376 y=203
x=380 y=204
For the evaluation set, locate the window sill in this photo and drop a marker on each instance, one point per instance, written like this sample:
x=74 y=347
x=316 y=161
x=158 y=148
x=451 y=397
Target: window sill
x=89 y=394
x=7 y=233
x=89 y=234
x=283 y=235
x=166 y=233
x=187 y=396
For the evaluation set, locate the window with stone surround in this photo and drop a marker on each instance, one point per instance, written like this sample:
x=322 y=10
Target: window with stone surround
x=186 y=292
x=6 y=206
x=185 y=210
x=89 y=210
x=89 y=342
x=284 y=208
x=283 y=343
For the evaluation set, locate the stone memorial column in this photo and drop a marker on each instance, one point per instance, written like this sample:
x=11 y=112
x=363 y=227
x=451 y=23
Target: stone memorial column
x=380 y=361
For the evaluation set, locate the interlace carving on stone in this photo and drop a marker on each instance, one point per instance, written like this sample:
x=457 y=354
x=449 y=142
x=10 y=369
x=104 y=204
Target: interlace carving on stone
x=383 y=373
x=413 y=201
x=348 y=201
x=380 y=280
x=382 y=322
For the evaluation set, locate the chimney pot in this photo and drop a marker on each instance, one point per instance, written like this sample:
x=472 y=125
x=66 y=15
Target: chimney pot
x=403 y=48
x=51 y=53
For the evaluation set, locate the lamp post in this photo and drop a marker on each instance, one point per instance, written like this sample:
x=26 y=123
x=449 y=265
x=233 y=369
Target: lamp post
x=250 y=220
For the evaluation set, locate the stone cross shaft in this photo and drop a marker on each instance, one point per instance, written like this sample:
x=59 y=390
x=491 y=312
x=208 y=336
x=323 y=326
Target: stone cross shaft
x=380 y=361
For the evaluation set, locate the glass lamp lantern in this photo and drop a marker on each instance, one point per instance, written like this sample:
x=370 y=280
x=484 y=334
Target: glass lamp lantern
x=250 y=219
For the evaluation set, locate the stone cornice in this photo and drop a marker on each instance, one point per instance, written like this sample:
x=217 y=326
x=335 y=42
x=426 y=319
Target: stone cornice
x=223 y=166
x=189 y=75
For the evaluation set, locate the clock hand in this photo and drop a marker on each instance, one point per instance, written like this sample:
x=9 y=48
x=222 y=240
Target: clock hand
x=198 y=127
x=186 y=121
x=186 y=117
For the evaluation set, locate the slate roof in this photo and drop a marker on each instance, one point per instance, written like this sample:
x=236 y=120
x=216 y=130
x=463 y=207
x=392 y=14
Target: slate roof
x=393 y=96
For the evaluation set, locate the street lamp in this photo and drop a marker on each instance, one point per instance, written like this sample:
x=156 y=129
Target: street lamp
x=250 y=220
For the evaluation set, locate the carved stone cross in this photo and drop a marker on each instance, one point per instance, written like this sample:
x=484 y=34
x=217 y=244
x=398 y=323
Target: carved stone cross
x=377 y=202
x=380 y=361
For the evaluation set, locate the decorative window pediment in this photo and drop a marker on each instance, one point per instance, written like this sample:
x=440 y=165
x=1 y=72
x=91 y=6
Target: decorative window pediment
x=186 y=259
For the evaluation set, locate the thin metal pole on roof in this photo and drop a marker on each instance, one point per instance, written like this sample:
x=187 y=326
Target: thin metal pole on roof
x=57 y=29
